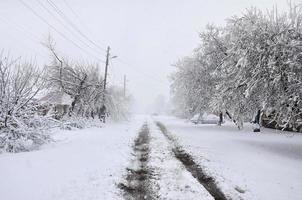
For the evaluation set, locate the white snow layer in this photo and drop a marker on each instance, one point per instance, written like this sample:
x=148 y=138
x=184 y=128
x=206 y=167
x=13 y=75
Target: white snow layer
x=264 y=165
x=174 y=181
x=84 y=164
x=88 y=164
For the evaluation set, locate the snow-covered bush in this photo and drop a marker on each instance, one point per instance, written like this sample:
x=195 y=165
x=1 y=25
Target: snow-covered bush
x=20 y=127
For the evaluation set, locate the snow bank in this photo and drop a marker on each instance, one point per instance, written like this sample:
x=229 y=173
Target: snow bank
x=82 y=164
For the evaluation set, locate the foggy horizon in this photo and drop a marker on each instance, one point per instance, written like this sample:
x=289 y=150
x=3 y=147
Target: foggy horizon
x=147 y=36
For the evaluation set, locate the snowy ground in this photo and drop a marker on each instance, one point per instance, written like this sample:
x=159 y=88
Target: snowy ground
x=84 y=164
x=91 y=163
x=174 y=181
x=263 y=166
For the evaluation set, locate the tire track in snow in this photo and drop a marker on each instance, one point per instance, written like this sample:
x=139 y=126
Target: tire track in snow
x=172 y=180
x=187 y=160
x=137 y=185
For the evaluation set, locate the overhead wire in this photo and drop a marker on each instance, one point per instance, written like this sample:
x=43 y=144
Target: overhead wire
x=74 y=26
x=80 y=20
x=54 y=28
x=78 y=30
x=66 y=27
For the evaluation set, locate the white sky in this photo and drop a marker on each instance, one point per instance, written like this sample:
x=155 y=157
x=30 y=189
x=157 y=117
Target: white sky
x=148 y=35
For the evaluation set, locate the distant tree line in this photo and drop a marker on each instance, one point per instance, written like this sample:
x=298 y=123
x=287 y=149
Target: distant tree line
x=63 y=94
x=251 y=65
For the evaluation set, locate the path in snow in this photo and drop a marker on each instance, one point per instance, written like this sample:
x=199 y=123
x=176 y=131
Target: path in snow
x=155 y=172
x=196 y=171
x=173 y=180
x=263 y=166
x=137 y=185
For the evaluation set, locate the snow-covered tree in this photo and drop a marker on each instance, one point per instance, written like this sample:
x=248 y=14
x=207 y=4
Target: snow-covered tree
x=117 y=104
x=194 y=82
x=252 y=64
x=20 y=127
x=84 y=84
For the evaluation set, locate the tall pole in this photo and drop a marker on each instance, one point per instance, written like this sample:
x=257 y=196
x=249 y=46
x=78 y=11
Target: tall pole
x=105 y=84
x=106 y=69
x=125 y=85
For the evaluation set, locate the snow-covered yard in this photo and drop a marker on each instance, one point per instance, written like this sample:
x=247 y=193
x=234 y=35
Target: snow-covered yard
x=83 y=164
x=263 y=166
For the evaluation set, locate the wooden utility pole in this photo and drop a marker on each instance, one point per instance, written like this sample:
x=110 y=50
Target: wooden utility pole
x=106 y=68
x=125 y=79
x=103 y=114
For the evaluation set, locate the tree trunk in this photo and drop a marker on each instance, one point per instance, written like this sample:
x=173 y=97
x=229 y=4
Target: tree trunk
x=76 y=97
x=257 y=122
x=220 y=119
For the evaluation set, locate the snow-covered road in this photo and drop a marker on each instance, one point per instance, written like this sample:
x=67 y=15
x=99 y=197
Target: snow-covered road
x=263 y=166
x=92 y=163
x=155 y=173
x=174 y=181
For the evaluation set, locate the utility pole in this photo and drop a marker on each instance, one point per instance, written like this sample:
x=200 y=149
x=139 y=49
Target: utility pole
x=125 y=79
x=106 y=69
x=103 y=109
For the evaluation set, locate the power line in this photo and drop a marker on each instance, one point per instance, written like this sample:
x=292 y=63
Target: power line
x=79 y=20
x=69 y=21
x=55 y=29
x=71 y=24
x=57 y=9
x=62 y=23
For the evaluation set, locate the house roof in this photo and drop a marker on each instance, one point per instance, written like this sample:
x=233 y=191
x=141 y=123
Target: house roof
x=59 y=98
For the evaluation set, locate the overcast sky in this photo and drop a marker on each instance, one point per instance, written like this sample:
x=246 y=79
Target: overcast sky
x=146 y=35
